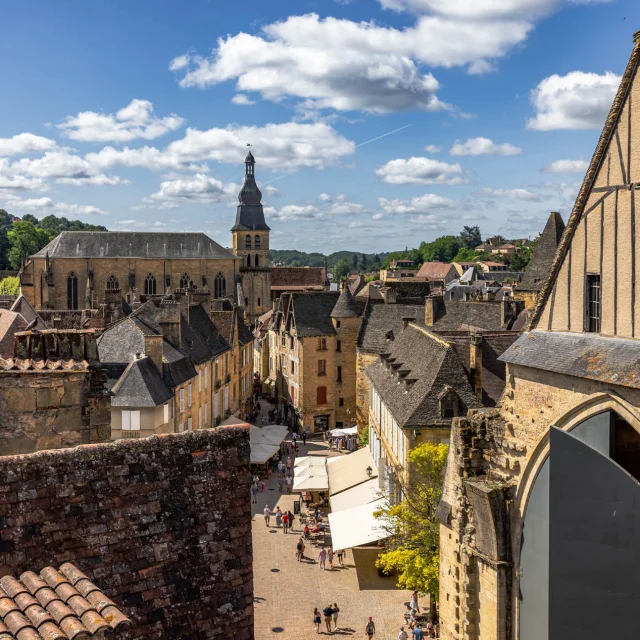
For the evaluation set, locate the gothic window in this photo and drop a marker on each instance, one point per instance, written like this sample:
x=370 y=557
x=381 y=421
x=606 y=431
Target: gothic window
x=150 y=285
x=185 y=281
x=219 y=287
x=449 y=405
x=257 y=261
x=256 y=242
x=247 y=242
x=112 y=283
x=72 y=291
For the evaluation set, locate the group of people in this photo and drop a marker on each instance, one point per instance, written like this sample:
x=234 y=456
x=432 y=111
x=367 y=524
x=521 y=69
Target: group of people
x=257 y=485
x=340 y=443
x=284 y=519
x=330 y=613
x=417 y=629
x=328 y=555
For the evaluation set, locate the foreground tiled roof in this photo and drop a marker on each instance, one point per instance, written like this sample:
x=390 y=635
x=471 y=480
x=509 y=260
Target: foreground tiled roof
x=26 y=364
x=56 y=604
x=297 y=276
x=434 y=270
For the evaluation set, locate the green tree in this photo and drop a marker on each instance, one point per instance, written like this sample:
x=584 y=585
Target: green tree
x=6 y=221
x=341 y=270
x=32 y=219
x=412 y=549
x=470 y=237
x=10 y=286
x=442 y=249
x=25 y=239
x=376 y=260
x=364 y=264
x=354 y=261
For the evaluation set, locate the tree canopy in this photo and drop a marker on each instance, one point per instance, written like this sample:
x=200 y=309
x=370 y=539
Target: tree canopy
x=341 y=270
x=470 y=237
x=412 y=549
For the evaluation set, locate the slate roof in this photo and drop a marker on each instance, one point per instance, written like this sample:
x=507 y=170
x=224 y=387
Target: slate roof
x=540 y=264
x=414 y=375
x=230 y=324
x=133 y=244
x=435 y=270
x=609 y=360
x=382 y=323
x=345 y=307
x=456 y=315
x=297 y=276
x=56 y=604
x=501 y=276
x=141 y=385
x=10 y=323
x=312 y=313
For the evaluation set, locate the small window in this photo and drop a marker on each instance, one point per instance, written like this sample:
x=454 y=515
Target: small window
x=293 y=367
x=322 y=367
x=189 y=395
x=337 y=324
x=449 y=406
x=112 y=283
x=247 y=242
x=256 y=242
x=259 y=304
x=248 y=260
x=246 y=303
x=181 y=400
x=131 y=420
x=199 y=425
x=593 y=303
x=322 y=344
x=339 y=376
x=256 y=260
x=290 y=342
x=341 y=402
x=189 y=424
x=321 y=395
x=338 y=345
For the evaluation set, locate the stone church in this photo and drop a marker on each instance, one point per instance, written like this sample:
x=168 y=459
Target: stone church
x=85 y=269
x=540 y=515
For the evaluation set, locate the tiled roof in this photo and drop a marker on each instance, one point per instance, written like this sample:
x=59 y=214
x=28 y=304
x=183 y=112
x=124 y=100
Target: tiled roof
x=297 y=276
x=312 y=313
x=27 y=364
x=56 y=604
x=26 y=310
x=133 y=244
x=435 y=270
x=10 y=323
x=141 y=385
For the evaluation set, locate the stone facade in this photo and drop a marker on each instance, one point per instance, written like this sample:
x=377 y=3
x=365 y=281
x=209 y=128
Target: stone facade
x=162 y=524
x=53 y=394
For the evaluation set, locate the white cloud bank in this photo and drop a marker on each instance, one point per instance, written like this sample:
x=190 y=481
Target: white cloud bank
x=420 y=171
x=567 y=166
x=483 y=147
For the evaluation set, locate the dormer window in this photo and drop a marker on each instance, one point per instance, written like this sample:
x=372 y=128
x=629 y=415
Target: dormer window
x=449 y=404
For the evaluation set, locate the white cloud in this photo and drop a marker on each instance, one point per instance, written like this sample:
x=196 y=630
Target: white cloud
x=433 y=148
x=420 y=204
x=272 y=191
x=483 y=147
x=136 y=120
x=294 y=212
x=325 y=197
x=25 y=143
x=512 y=194
x=475 y=9
x=198 y=188
x=356 y=225
x=344 y=208
x=377 y=216
x=242 y=100
x=578 y=100
x=567 y=166
x=136 y=225
x=420 y=171
x=429 y=221
x=344 y=65
x=289 y=146
x=44 y=206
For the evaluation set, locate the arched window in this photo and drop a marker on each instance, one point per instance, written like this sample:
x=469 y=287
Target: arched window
x=150 y=285
x=256 y=242
x=247 y=242
x=112 y=283
x=219 y=286
x=185 y=281
x=72 y=291
x=257 y=260
x=248 y=260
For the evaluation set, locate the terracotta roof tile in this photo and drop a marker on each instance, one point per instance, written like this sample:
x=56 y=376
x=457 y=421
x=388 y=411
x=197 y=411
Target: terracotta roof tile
x=55 y=605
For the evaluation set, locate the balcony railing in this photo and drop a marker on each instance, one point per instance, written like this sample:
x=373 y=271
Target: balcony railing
x=130 y=435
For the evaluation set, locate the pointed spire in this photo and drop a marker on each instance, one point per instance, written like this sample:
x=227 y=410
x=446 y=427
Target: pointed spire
x=346 y=305
x=250 y=194
x=250 y=215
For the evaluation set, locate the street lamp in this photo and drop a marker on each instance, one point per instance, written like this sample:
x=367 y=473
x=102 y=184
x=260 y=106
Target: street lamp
x=369 y=471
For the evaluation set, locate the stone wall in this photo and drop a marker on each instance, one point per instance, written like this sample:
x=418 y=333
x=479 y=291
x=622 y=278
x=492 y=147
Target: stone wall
x=162 y=524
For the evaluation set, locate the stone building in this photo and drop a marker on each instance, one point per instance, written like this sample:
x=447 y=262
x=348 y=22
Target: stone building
x=162 y=525
x=312 y=357
x=53 y=393
x=284 y=279
x=539 y=535
x=88 y=270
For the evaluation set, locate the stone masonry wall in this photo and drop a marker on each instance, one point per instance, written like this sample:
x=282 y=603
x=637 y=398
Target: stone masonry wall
x=162 y=525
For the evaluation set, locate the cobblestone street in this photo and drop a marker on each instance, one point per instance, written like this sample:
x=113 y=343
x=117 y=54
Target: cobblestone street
x=286 y=591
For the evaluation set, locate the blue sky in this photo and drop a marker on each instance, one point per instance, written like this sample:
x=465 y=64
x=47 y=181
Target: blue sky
x=138 y=118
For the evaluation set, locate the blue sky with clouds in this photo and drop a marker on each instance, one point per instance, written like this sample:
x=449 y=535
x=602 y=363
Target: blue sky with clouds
x=137 y=115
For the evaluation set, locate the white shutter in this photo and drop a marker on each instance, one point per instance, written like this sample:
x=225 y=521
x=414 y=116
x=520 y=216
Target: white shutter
x=206 y=413
x=166 y=412
x=189 y=395
x=189 y=424
x=226 y=398
x=135 y=420
x=200 y=418
x=181 y=400
x=206 y=377
x=126 y=420
x=215 y=406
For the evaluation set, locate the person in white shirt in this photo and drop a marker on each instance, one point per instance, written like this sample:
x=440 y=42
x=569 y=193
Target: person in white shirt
x=267 y=514
x=403 y=634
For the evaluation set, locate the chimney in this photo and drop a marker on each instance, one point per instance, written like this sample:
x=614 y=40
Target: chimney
x=406 y=320
x=169 y=316
x=153 y=350
x=510 y=309
x=432 y=307
x=389 y=295
x=475 y=364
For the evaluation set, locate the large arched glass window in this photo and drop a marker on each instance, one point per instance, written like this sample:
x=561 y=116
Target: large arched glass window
x=185 y=281
x=256 y=242
x=112 y=283
x=219 y=286
x=150 y=285
x=257 y=260
x=72 y=291
x=247 y=242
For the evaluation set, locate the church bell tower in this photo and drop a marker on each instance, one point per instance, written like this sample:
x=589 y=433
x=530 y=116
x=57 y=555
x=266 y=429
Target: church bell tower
x=251 y=244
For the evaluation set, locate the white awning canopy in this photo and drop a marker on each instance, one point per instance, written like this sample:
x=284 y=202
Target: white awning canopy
x=260 y=453
x=356 y=526
x=350 y=431
x=362 y=494
x=311 y=483
x=350 y=470
x=310 y=461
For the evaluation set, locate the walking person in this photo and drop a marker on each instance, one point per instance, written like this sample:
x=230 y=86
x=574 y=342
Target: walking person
x=328 y=616
x=285 y=521
x=418 y=634
x=322 y=557
x=267 y=515
x=300 y=550
x=290 y=520
x=288 y=481
x=341 y=557
x=304 y=438
x=280 y=483
x=414 y=604
x=403 y=634
x=254 y=494
x=370 y=629
x=330 y=557
x=278 y=517
x=317 y=619
x=336 y=611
